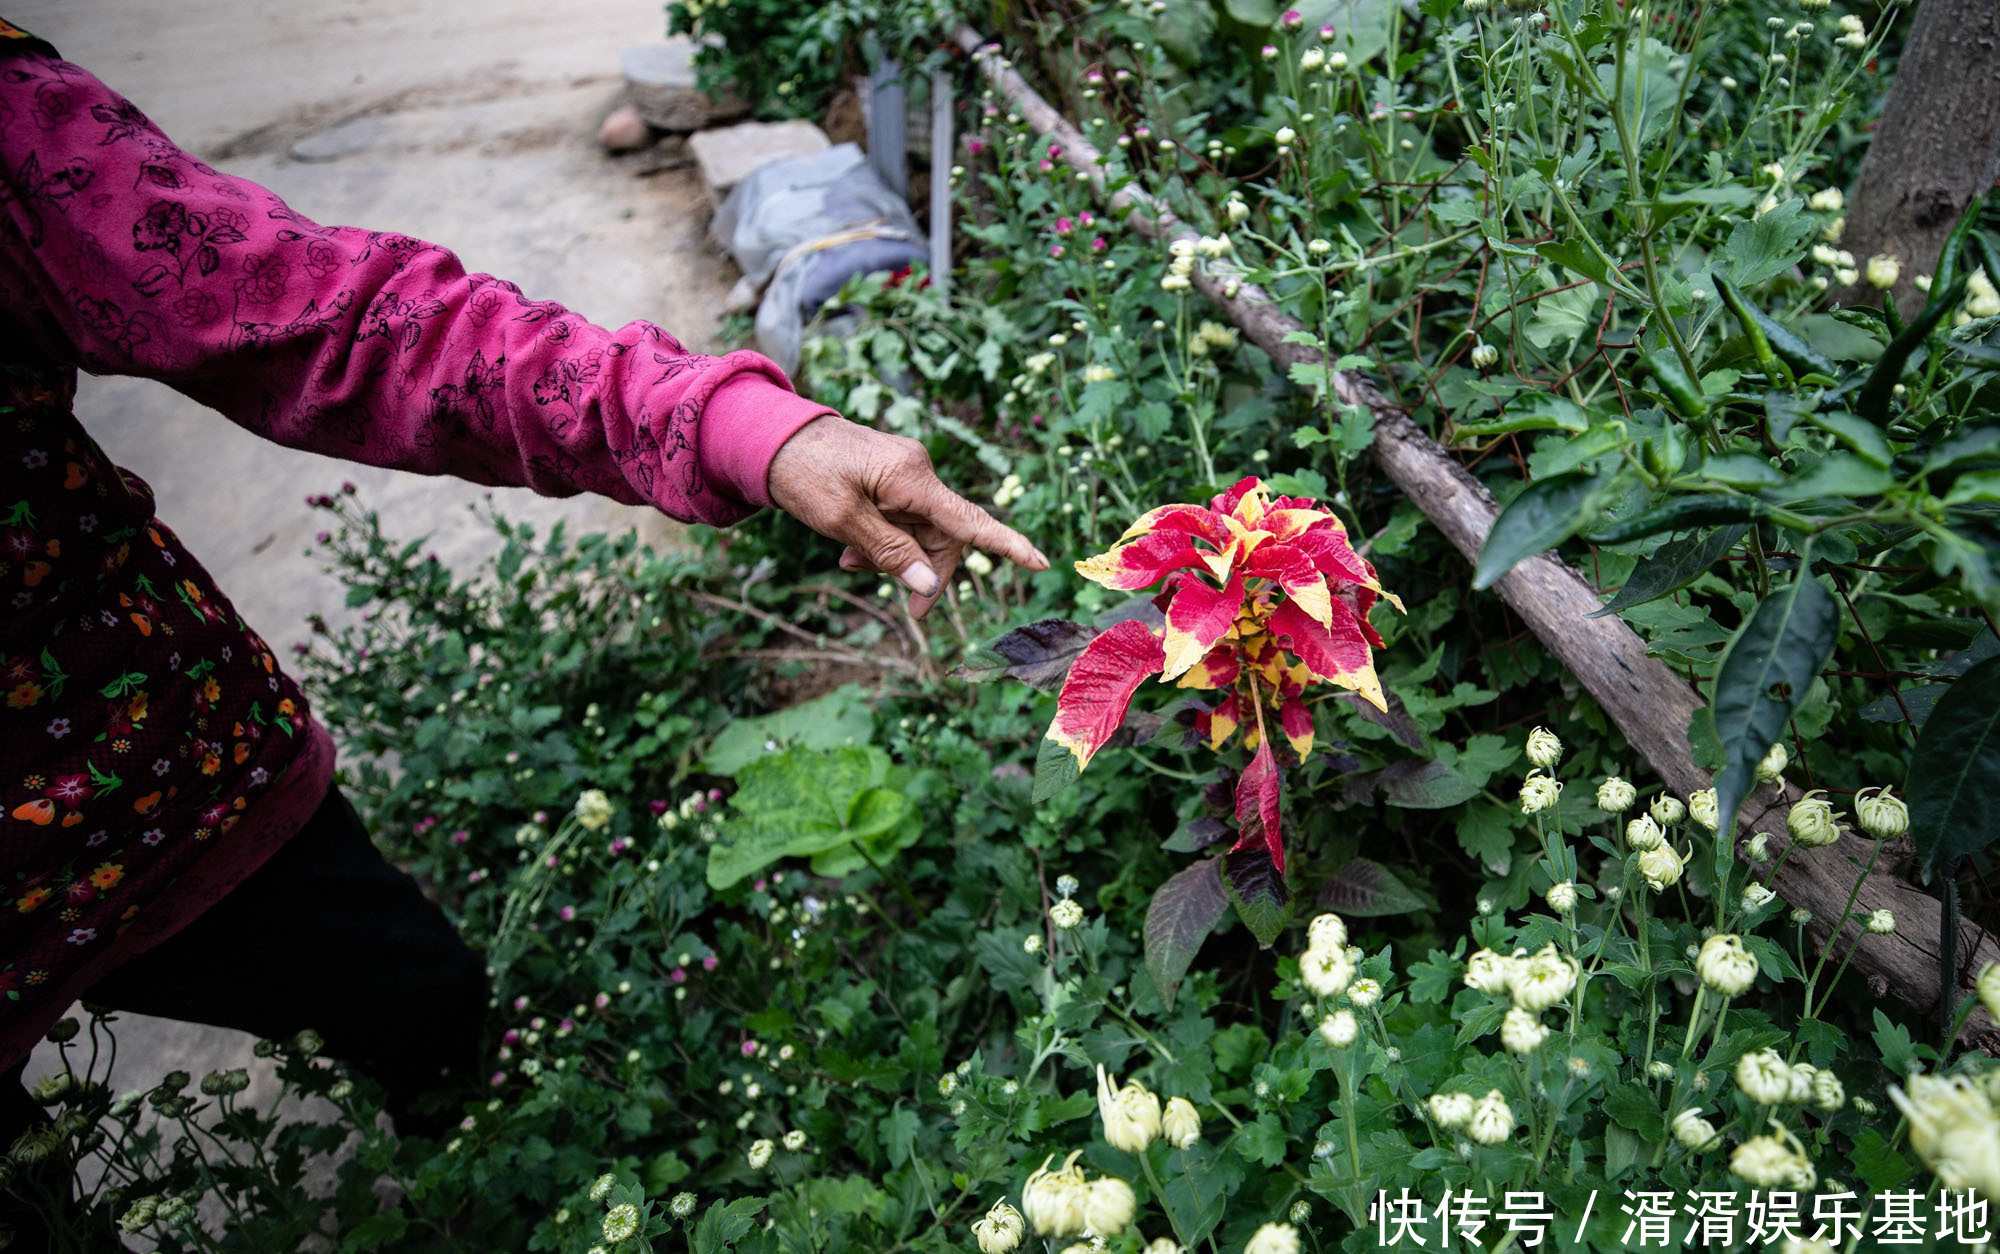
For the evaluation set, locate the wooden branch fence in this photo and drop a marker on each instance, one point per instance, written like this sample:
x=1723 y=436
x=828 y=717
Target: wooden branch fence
x=1650 y=704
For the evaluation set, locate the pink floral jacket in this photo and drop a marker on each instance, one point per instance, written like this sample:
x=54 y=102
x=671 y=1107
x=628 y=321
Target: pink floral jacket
x=152 y=751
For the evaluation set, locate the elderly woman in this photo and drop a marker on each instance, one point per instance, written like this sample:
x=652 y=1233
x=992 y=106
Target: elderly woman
x=170 y=839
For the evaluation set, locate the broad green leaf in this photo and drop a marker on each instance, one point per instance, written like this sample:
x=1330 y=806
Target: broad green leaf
x=1785 y=642
x=725 y=1223
x=1955 y=772
x=1838 y=474
x=1673 y=204
x=1742 y=470
x=1765 y=246
x=1055 y=770
x=1706 y=509
x=1857 y=433
x=1977 y=488
x=1633 y=1106
x=1183 y=912
x=801 y=802
x=1258 y=13
x=1547 y=512
x=1562 y=316
x=1539 y=413
x=1969 y=444
x=841 y=717
x=1365 y=890
x=1673 y=566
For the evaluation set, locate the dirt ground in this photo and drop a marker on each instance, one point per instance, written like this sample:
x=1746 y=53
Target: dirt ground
x=468 y=123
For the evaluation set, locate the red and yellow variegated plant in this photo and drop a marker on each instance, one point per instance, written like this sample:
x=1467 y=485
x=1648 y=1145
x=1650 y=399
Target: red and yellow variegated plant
x=1263 y=597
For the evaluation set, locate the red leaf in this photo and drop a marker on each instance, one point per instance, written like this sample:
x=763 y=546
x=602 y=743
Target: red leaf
x=1218 y=670
x=1257 y=820
x=1198 y=617
x=1190 y=520
x=1298 y=723
x=1227 y=502
x=1338 y=655
x=1143 y=563
x=1296 y=574
x=1100 y=687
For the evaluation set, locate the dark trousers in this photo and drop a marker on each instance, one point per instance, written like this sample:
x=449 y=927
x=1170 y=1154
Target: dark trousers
x=328 y=936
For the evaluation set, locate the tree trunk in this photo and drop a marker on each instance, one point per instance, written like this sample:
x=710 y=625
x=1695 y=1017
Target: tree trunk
x=1937 y=148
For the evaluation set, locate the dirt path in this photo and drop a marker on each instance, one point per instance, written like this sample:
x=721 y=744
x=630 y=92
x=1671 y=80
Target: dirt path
x=469 y=123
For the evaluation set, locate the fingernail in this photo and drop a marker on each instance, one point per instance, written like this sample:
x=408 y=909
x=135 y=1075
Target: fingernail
x=1042 y=558
x=920 y=579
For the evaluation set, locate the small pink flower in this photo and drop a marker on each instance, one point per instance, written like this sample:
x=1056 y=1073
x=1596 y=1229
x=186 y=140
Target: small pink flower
x=541 y=816
x=1085 y=218
x=568 y=913
x=975 y=146
x=1055 y=150
x=602 y=1000
x=520 y=1004
x=1141 y=132
x=512 y=1036
x=549 y=861
x=1055 y=250
x=678 y=975
x=1326 y=33
x=460 y=836
x=715 y=794
x=1064 y=226
x=749 y=1049
x=761 y=884
x=1095 y=76
x=1098 y=245
x=708 y=963
x=567 y=1025
x=499 y=1078
x=659 y=807
x=1044 y=166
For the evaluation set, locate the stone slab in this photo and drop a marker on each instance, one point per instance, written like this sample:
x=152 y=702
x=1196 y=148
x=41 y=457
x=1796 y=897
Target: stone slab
x=660 y=81
x=729 y=153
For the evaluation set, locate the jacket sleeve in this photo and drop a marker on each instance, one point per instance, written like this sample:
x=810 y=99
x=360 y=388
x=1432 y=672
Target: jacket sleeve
x=123 y=254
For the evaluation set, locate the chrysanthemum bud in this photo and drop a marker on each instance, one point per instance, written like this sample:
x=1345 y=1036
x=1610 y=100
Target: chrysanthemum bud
x=1521 y=1032
x=1667 y=810
x=1544 y=749
x=1000 y=1230
x=1615 y=796
x=1827 y=1091
x=1273 y=1239
x=1702 y=809
x=1339 y=1029
x=1451 y=1110
x=1694 y=1132
x=1881 y=923
x=760 y=1153
x=1775 y=1160
x=1883 y=271
x=1492 y=1120
x=1543 y=980
x=1488 y=972
x=1764 y=1077
x=1725 y=966
x=1561 y=897
x=1644 y=833
x=1131 y=1114
x=621 y=1223
x=795 y=1140
x=1325 y=971
x=602 y=1186
x=593 y=809
x=1661 y=866
x=1484 y=356
x=1326 y=931
x=1538 y=793
x=1771 y=768
x=1180 y=1126
x=1066 y=914
x=1757 y=896
x=1812 y=822
x=1108 y=1204
x=1881 y=813
x=1760 y=846
x=1364 y=993
x=1066 y=885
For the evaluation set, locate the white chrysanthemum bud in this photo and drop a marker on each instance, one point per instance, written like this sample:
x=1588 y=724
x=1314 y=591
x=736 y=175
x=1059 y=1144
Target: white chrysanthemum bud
x=1319 y=247
x=1000 y=1230
x=1326 y=931
x=602 y=1186
x=1881 y=813
x=1812 y=822
x=1451 y=1110
x=1775 y=1160
x=1667 y=810
x=1326 y=971
x=1725 y=966
x=1484 y=356
x=1340 y=1029
x=1988 y=987
x=1052 y=1201
x=1803 y=1075
x=1757 y=896
x=1032 y=943
x=1364 y=993
x=682 y=1206
x=1066 y=914
x=1492 y=1120
x=1694 y=1132
x=1615 y=796
x=1273 y=1239
x=1312 y=59
x=1772 y=768
x=621 y=1223
x=1521 y=1032
x=1954 y=1129
x=1701 y=807
x=1488 y=972
x=1644 y=833
x=1661 y=867
x=1881 y=923
x=1544 y=749
x=1543 y=980
x=1181 y=1124
x=593 y=809
x=1561 y=897
x=1883 y=271
x=760 y=1153
x=1236 y=210
x=1539 y=792
x=1660 y=1069
x=1066 y=885
x=1827 y=1091
x=1285 y=135
x=1760 y=846
x=1764 y=1077
x=1827 y=200
x=1108 y=1204
x=1131 y=1114
x=795 y=1140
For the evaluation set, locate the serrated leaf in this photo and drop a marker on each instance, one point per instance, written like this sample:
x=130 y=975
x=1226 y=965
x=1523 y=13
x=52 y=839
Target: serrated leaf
x=1632 y=1106
x=801 y=802
x=1892 y=1041
x=1785 y=642
x=841 y=717
x=1258 y=889
x=1039 y=654
x=1367 y=890
x=725 y=1223
x=1955 y=772
x=1547 y=512
x=1055 y=770
x=1182 y=913
x=1762 y=247
x=1673 y=566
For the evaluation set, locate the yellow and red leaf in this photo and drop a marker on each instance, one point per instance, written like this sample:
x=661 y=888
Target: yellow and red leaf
x=1100 y=686
x=1257 y=818
x=1142 y=563
x=1338 y=654
x=1197 y=617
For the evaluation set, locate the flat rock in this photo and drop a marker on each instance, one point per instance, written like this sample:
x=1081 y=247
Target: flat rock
x=660 y=81
x=727 y=154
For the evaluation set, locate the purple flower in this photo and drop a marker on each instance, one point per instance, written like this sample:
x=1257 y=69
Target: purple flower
x=82 y=936
x=460 y=836
x=59 y=728
x=568 y=913
x=708 y=963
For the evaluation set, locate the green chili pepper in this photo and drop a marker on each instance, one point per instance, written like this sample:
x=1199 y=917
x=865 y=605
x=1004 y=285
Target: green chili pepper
x=1753 y=330
x=1691 y=511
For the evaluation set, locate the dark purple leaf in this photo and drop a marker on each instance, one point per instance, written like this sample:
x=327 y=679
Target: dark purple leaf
x=1368 y=889
x=1183 y=912
x=1039 y=654
x=1258 y=888
x=1196 y=835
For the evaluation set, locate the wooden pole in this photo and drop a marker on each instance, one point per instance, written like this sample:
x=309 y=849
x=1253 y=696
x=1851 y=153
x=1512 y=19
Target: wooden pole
x=1649 y=703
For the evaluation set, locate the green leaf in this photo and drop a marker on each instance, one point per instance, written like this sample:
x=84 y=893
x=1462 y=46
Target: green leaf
x=1536 y=413
x=1878 y=1164
x=1633 y=1106
x=1978 y=487
x=1892 y=1041
x=1055 y=770
x=801 y=802
x=726 y=1223
x=1367 y=890
x=1547 y=512
x=1673 y=566
x=1838 y=474
x=841 y=717
x=1183 y=912
x=1785 y=642
x=1763 y=247
x=1857 y=433
x=1742 y=470
x=1258 y=888
x=1955 y=772
x=1706 y=509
